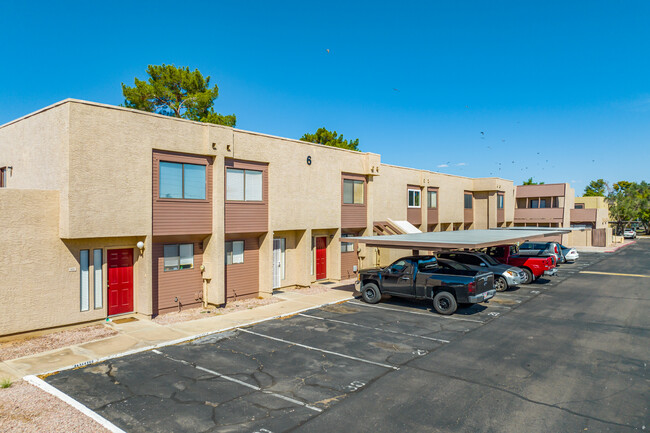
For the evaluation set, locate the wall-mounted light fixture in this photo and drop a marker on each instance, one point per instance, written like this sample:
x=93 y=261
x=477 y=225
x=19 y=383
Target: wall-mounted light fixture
x=11 y=170
x=140 y=246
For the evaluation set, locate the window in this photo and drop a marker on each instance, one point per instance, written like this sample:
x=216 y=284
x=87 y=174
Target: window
x=499 y=201
x=182 y=181
x=432 y=199
x=3 y=177
x=468 y=201
x=401 y=267
x=414 y=197
x=542 y=203
x=97 y=280
x=243 y=185
x=85 y=280
x=234 y=252
x=556 y=201
x=352 y=191
x=580 y=206
x=178 y=256
x=534 y=204
x=347 y=247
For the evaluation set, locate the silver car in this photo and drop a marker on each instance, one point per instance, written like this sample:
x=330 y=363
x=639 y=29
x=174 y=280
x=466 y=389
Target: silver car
x=570 y=254
x=542 y=249
x=629 y=234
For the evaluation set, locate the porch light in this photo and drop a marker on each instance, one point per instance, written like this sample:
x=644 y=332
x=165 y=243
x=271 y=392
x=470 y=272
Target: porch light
x=140 y=246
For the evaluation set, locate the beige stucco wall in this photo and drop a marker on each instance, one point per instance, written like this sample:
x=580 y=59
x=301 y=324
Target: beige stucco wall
x=97 y=159
x=592 y=202
x=36 y=147
x=40 y=273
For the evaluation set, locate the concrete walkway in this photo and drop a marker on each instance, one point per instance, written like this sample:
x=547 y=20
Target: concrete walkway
x=610 y=249
x=140 y=335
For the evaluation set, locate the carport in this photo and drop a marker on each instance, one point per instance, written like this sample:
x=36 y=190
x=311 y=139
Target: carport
x=470 y=239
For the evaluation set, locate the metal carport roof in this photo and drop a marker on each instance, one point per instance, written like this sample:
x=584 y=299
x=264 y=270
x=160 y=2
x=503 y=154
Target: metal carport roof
x=457 y=239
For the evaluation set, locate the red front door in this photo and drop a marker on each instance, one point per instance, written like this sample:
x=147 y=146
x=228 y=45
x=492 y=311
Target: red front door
x=120 y=281
x=321 y=258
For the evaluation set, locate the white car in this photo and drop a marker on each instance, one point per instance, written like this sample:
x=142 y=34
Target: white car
x=629 y=234
x=570 y=254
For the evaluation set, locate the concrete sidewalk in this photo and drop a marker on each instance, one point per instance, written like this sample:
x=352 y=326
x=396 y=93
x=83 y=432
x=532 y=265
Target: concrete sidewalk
x=142 y=335
x=610 y=249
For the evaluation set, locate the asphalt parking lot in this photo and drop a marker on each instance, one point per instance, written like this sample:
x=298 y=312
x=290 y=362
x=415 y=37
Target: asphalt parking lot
x=567 y=353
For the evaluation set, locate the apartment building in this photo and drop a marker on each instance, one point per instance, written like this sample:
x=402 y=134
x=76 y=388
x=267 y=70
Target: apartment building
x=107 y=210
x=555 y=205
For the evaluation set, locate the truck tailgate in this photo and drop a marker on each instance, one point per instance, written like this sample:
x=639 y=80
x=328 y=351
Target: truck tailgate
x=484 y=282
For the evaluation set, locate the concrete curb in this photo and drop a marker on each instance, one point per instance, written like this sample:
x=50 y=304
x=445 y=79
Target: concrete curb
x=40 y=383
x=184 y=339
x=621 y=246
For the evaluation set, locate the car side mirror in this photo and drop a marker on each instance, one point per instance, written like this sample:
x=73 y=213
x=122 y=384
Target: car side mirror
x=483 y=264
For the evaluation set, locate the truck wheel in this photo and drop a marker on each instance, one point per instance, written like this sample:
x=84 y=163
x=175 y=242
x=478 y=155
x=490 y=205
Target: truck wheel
x=529 y=276
x=445 y=303
x=370 y=293
x=500 y=284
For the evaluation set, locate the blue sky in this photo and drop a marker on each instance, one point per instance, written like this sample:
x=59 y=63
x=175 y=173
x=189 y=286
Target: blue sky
x=559 y=91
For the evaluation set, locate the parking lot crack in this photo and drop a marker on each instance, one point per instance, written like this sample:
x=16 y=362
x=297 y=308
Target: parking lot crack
x=541 y=403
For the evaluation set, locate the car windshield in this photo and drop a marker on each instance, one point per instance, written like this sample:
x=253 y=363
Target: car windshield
x=490 y=260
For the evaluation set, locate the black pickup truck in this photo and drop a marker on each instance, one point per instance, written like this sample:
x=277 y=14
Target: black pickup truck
x=423 y=277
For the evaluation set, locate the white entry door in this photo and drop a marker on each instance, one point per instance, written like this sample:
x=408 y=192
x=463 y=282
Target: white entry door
x=279 y=247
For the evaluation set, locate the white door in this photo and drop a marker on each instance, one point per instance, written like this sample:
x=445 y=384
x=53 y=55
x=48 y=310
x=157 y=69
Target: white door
x=279 y=246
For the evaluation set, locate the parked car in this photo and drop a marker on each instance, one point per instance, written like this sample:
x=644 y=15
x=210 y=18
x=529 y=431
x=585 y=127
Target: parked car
x=570 y=254
x=505 y=276
x=422 y=277
x=533 y=267
x=629 y=234
x=542 y=249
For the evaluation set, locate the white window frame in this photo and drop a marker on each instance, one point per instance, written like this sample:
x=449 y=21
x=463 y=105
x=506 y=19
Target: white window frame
x=232 y=258
x=245 y=178
x=347 y=247
x=84 y=280
x=176 y=260
x=98 y=278
x=419 y=195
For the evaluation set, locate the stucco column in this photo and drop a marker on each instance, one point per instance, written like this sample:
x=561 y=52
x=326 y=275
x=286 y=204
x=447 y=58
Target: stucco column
x=266 y=264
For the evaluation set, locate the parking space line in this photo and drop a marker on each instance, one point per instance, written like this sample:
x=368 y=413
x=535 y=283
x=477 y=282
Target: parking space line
x=40 y=383
x=293 y=343
x=399 y=310
x=376 y=329
x=240 y=382
x=615 y=274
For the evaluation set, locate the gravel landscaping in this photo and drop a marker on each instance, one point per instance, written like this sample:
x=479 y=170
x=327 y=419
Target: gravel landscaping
x=28 y=409
x=56 y=340
x=202 y=313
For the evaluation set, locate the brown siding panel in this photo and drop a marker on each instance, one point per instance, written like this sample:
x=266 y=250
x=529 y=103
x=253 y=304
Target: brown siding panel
x=354 y=215
x=414 y=215
x=348 y=261
x=186 y=284
x=178 y=216
x=248 y=217
x=242 y=279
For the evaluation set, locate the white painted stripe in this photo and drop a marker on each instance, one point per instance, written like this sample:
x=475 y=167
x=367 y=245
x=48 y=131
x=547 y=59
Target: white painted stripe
x=240 y=382
x=293 y=343
x=400 y=310
x=376 y=329
x=190 y=338
x=40 y=383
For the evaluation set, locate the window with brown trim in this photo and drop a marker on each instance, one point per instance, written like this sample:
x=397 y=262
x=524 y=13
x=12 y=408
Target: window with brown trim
x=234 y=252
x=243 y=185
x=178 y=180
x=3 y=177
x=468 y=200
x=499 y=201
x=353 y=191
x=432 y=199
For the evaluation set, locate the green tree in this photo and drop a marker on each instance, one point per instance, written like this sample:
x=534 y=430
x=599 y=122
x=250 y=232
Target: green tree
x=530 y=181
x=596 y=188
x=627 y=201
x=329 y=138
x=176 y=92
